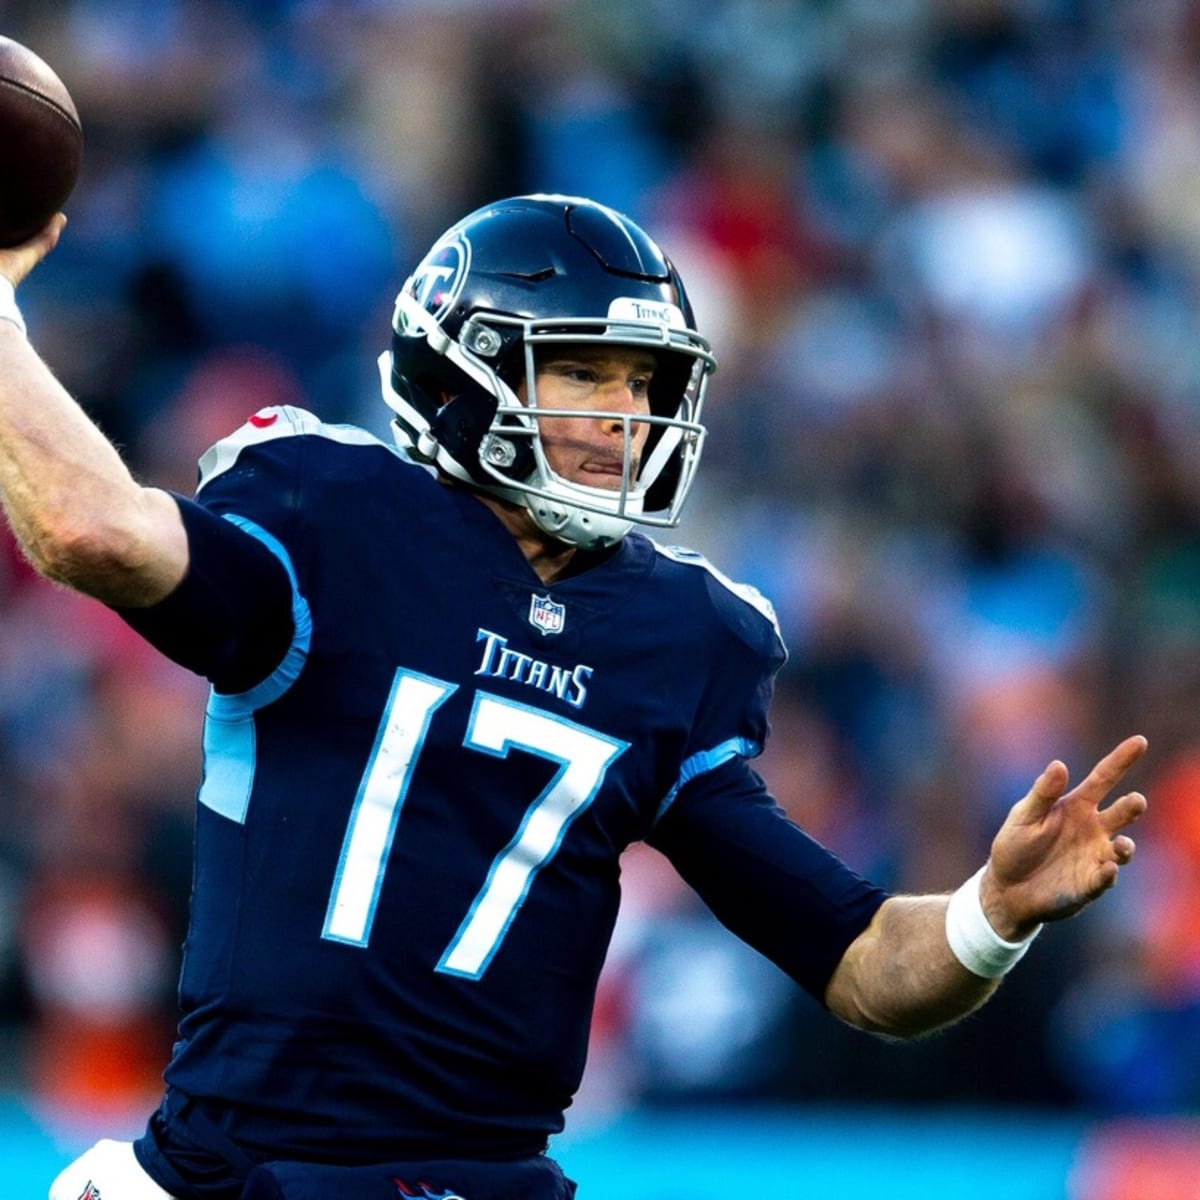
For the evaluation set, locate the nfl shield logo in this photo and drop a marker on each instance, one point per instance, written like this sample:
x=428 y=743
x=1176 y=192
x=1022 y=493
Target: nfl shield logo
x=545 y=615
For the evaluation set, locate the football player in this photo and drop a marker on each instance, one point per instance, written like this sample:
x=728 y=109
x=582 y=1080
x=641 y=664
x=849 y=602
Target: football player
x=452 y=679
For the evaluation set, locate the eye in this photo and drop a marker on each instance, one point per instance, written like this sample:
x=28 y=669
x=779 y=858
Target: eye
x=576 y=372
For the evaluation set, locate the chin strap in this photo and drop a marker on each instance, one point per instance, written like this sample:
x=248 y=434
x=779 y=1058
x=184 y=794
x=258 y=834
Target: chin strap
x=576 y=526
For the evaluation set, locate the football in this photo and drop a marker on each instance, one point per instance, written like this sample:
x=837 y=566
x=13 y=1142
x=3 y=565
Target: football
x=41 y=143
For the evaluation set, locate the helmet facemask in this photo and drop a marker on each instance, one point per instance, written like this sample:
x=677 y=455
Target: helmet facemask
x=511 y=457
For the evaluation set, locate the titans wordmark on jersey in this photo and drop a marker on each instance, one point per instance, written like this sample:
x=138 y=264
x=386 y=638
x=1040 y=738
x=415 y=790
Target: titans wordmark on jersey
x=408 y=837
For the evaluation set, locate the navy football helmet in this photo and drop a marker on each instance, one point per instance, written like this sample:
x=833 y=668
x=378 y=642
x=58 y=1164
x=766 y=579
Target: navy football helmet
x=518 y=275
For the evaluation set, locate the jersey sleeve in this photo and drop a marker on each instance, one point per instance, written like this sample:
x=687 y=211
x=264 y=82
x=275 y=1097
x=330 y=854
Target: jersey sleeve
x=765 y=879
x=239 y=611
x=742 y=651
x=231 y=618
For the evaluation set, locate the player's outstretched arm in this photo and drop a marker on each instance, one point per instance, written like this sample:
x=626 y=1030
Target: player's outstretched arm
x=78 y=513
x=1055 y=853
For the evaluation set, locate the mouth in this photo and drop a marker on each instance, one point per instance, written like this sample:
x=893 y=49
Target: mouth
x=589 y=464
x=606 y=473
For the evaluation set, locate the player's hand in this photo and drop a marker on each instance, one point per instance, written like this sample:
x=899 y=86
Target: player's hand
x=17 y=261
x=1058 y=850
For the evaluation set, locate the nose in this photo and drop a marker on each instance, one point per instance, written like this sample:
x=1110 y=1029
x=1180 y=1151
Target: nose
x=619 y=396
x=619 y=402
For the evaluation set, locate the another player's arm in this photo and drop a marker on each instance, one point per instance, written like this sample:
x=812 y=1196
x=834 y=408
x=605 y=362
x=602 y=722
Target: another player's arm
x=1056 y=852
x=74 y=506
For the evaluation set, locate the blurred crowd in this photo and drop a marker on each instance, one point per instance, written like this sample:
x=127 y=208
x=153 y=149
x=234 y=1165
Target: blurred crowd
x=948 y=253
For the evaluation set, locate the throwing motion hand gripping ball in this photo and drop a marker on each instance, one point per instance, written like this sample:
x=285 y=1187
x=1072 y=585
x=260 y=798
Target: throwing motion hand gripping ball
x=41 y=143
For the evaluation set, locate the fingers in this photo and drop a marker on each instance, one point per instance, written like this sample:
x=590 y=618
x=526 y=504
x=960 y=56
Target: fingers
x=1047 y=788
x=1123 y=812
x=1106 y=876
x=1107 y=872
x=49 y=236
x=1123 y=849
x=1105 y=775
x=17 y=261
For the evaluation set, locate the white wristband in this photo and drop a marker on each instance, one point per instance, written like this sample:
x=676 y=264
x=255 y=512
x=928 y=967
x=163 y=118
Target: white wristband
x=975 y=943
x=8 y=305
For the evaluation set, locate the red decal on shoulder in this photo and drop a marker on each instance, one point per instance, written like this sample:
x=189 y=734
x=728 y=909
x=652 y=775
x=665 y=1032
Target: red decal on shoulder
x=262 y=420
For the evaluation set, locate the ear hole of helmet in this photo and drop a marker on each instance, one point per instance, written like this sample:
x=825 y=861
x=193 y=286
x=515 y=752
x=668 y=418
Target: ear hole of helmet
x=463 y=427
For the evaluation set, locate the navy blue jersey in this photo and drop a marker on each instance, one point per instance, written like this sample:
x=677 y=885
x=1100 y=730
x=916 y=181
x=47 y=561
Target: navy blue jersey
x=408 y=833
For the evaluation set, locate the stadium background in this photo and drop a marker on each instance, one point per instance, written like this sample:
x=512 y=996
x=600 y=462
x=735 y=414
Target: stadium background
x=949 y=253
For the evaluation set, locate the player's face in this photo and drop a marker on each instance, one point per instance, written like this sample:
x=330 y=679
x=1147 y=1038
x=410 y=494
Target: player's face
x=589 y=379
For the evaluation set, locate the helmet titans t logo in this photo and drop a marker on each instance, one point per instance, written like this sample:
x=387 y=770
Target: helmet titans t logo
x=438 y=282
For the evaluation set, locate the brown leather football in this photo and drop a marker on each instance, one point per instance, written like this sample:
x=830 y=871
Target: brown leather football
x=41 y=143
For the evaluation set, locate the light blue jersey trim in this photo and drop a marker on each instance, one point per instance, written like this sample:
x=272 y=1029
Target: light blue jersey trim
x=230 y=744
x=705 y=761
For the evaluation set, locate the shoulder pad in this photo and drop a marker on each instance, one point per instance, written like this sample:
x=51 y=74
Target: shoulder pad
x=270 y=424
x=743 y=592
